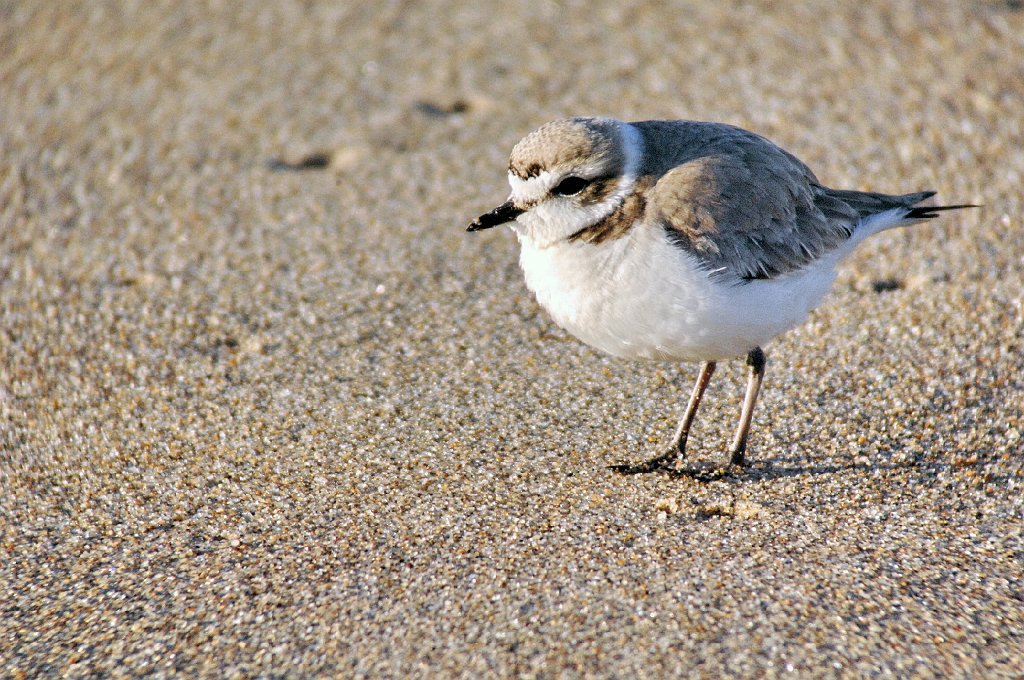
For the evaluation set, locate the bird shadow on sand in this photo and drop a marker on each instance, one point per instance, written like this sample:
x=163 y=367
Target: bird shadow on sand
x=772 y=469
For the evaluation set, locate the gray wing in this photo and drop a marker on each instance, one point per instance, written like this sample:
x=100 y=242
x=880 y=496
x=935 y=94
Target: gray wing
x=747 y=208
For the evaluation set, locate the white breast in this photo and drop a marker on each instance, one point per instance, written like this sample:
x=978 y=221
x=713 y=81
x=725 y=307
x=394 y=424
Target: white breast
x=639 y=296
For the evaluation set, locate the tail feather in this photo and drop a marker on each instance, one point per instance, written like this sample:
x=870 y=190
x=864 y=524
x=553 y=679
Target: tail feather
x=921 y=212
x=869 y=213
x=926 y=212
x=865 y=205
x=859 y=205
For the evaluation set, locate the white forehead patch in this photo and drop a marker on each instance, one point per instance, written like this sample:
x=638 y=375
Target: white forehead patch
x=531 y=190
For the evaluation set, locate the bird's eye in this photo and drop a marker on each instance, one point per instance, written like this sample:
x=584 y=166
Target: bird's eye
x=570 y=185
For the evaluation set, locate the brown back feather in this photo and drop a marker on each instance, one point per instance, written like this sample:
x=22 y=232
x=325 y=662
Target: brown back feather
x=745 y=206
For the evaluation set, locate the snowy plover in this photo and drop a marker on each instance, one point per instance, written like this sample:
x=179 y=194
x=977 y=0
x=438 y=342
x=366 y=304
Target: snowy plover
x=681 y=240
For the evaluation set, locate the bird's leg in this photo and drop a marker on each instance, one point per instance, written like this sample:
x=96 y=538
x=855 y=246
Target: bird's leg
x=678 y=445
x=756 y=360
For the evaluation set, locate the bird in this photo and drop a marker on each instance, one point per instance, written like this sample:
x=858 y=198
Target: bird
x=681 y=240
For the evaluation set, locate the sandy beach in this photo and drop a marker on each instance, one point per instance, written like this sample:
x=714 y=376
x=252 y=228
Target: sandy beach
x=266 y=409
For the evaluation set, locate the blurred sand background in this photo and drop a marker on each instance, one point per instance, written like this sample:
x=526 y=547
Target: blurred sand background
x=265 y=408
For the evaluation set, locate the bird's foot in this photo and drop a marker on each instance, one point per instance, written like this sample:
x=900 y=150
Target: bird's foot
x=710 y=472
x=663 y=462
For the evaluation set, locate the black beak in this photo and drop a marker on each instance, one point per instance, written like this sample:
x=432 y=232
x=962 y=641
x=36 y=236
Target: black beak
x=506 y=212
